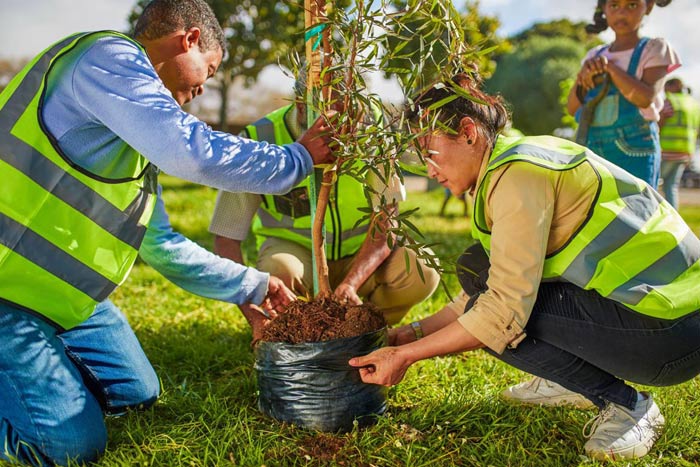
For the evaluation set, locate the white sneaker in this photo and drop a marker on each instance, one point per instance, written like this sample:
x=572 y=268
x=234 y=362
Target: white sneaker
x=539 y=391
x=620 y=433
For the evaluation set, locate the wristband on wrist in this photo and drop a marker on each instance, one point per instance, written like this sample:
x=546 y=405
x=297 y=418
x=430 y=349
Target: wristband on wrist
x=417 y=329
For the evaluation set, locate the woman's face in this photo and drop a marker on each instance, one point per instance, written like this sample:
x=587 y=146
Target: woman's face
x=451 y=160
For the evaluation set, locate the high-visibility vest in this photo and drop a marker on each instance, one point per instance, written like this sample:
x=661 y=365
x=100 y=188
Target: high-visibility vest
x=68 y=237
x=633 y=247
x=680 y=131
x=288 y=216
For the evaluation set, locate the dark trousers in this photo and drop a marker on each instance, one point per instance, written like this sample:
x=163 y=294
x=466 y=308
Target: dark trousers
x=592 y=345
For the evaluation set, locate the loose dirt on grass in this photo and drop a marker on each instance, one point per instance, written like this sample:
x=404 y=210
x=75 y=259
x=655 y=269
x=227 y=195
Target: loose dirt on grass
x=322 y=319
x=322 y=447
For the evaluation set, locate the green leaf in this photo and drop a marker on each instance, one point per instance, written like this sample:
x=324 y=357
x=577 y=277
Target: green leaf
x=441 y=102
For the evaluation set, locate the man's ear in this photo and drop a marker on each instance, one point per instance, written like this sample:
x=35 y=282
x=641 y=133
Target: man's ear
x=191 y=38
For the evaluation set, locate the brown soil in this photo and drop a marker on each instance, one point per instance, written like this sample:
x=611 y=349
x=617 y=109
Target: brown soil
x=322 y=319
x=322 y=447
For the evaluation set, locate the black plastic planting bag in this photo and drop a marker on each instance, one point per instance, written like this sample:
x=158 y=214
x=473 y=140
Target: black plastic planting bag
x=312 y=385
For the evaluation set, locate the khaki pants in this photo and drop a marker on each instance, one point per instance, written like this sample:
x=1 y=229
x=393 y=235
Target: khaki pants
x=392 y=288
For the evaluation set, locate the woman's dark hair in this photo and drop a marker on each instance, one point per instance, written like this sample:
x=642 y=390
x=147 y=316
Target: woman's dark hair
x=450 y=101
x=600 y=22
x=162 y=17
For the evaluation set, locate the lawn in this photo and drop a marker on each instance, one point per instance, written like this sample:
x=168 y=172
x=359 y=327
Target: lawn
x=445 y=412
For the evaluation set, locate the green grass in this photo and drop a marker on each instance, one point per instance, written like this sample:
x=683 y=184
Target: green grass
x=445 y=412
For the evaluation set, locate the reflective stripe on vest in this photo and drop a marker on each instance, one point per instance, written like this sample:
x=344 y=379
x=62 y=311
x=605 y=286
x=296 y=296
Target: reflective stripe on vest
x=633 y=247
x=680 y=131
x=68 y=237
x=344 y=236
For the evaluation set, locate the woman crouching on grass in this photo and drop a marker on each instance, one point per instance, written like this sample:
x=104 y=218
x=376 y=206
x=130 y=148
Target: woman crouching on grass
x=583 y=274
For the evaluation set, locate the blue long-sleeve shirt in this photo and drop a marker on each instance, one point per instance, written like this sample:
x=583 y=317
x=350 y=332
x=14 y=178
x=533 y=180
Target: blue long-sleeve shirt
x=111 y=93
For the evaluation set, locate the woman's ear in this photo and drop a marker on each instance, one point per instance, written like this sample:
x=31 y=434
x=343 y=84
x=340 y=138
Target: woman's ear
x=467 y=128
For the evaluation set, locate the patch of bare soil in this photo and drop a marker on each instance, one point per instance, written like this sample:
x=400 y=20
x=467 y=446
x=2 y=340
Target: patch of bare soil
x=322 y=447
x=322 y=319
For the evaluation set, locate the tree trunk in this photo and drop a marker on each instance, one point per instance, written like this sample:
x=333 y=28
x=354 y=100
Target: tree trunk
x=314 y=15
x=223 y=110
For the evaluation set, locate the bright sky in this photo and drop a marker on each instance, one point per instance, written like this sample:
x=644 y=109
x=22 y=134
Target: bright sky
x=27 y=26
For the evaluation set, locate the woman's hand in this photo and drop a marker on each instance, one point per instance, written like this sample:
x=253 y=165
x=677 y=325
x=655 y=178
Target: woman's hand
x=386 y=366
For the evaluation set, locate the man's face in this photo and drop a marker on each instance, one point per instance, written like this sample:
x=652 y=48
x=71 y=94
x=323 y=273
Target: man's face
x=185 y=74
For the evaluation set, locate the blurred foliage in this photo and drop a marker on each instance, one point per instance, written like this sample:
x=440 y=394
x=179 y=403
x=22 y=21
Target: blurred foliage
x=530 y=76
x=565 y=85
x=9 y=68
x=559 y=28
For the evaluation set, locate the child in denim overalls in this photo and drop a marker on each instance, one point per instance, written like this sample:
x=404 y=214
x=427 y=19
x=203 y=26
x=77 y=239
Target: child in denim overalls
x=625 y=82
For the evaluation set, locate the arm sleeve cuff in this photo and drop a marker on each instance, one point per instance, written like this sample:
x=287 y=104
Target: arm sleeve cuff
x=493 y=335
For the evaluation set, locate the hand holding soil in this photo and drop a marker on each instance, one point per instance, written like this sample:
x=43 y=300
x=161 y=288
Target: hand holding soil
x=347 y=294
x=278 y=296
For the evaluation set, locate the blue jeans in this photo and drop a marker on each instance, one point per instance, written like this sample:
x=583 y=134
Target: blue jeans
x=56 y=386
x=591 y=345
x=635 y=148
x=671 y=174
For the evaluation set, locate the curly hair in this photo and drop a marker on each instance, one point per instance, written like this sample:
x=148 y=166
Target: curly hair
x=600 y=22
x=457 y=98
x=162 y=17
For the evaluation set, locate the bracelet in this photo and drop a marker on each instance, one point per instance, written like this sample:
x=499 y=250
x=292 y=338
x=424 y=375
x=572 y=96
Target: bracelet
x=417 y=329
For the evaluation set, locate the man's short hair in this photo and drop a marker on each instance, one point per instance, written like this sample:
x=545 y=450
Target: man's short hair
x=162 y=17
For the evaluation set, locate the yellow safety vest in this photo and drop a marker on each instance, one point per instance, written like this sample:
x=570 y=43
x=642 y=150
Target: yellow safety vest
x=680 y=131
x=288 y=216
x=68 y=237
x=633 y=247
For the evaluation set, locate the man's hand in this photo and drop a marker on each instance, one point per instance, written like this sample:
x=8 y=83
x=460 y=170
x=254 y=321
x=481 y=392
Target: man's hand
x=317 y=138
x=347 y=294
x=278 y=296
x=256 y=318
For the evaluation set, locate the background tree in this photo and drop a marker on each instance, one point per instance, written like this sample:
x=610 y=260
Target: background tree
x=8 y=69
x=559 y=28
x=258 y=32
x=529 y=78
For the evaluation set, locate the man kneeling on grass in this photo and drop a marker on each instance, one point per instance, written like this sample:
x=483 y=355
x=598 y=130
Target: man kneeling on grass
x=82 y=129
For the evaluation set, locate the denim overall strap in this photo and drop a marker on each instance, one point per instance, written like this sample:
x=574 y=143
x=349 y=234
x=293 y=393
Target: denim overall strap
x=628 y=113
